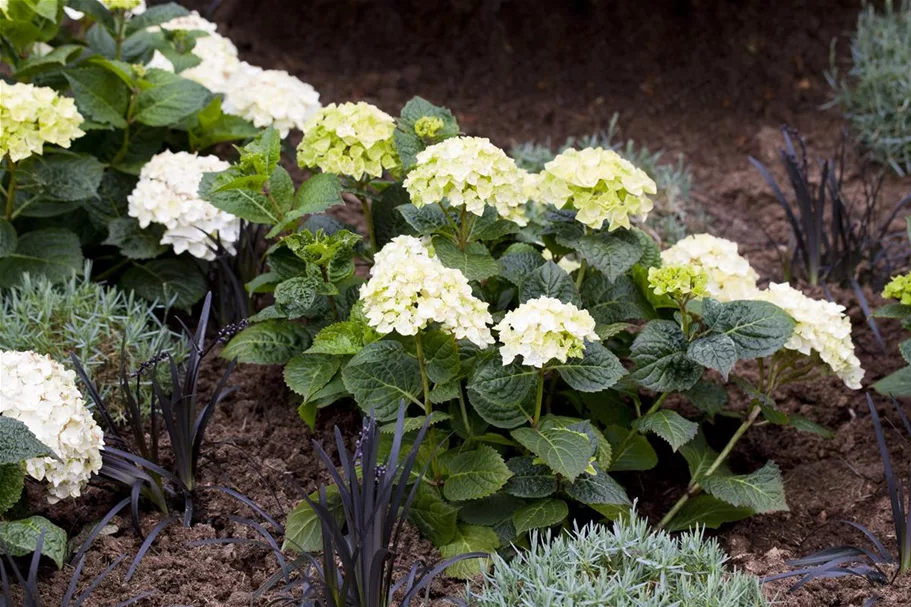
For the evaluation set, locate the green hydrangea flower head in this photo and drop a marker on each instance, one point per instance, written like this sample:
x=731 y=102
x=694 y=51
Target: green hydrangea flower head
x=353 y=139
x=470 y=171
x=679 y=282
x=600 y=185
x=427 y=127
x=899 y=288
x=123 y=5
x=32 y=116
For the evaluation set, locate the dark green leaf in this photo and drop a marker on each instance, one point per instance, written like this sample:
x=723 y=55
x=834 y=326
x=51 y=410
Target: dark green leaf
x=659 y=352
x=599 y=489
x=436 y=519
x=8 y=238
x=475 y=262
x=631 y=450
x=307 y=374
x=675 y=429
x=37 y=64
x=61 y=176
x=381 y=375
x=517 y=266
x=133 y=241
x=706 y=511
x=710 y=398
x=17 y=443
x=500 y=393
x=407 y=142
x=757 y=328
x=550 y=280
x=566 y=451
x=156 y=15
x=272 y=342
x=897 y=384
x=53 y=253
x=530 y=480
x=320 y=192
x=100 y=94
x=441 y=355
x=424 y=220
x=12 y=482
x=297 y=297
x=762 y=491
x=212 y=126
x=597 y=370
x=169 y=100
x=20 y=538
x=611 y=302
x=611 y=253
x=714 y=351
x=475 y=474
x=537 y=515
x=162 y=280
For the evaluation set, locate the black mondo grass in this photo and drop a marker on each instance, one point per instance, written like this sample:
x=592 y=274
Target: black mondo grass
x=873 y=561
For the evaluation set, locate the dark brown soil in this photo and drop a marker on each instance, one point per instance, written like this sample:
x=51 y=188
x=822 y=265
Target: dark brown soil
x=707 y=78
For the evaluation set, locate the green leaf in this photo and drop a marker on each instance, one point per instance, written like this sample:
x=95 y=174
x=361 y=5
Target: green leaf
x=20 y=538
x=307 y=374
x=475 y=474
x=597 y=370
x=762 y=491
x=424 y=220
x=517 y=266
x=659 y=352
x=134 y=242
x=441 y=355
x=707 y=511
x=714 y=351
x=388 y=221
x=53 y=253
x=802 y=423
x=545 y=513
x=897 y=384
x=38 y=64
x=435 y=518
x=611 y=253
x=162 y=280
x=251 y=205
x=893 y=310
x=100 y=94
x=297 y=297
x=347 y=337
x=212 y=126
x=490 y=226
x=475 y=262
x=675 y=429
x=155 y=15
x=8 y=238
x=320 y=192
x=407 y=142
x=631 y=450
x=17 y=443
x=550 y=280
x=470 y=538
x=500 y=394
x=599 y=489
x=169 y=99
x=303 y=531
x=381 y=375
x=61 y=176
x=491 y=510
x=566 y=451
x=413 y=424
x=708 y=397
x=12 y=482
x=529 y=480
x=700 y=457
x=272 y=342
x=612 y=302
x=757 y=328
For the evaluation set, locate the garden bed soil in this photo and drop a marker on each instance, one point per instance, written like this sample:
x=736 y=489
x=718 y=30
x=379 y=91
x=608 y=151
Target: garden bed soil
x=712 y=80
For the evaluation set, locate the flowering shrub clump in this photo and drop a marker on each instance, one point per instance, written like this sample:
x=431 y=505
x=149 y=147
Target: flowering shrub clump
x=899 y=288
x=42 y=394
x=600 y=184
x=32 y=116
x=167 y=194
x=545 y=329
x=353 y=139
x=217 y=54
x=678 y=281
x=409 y=288
x=469 y=171
x=822 y=327
x=270 y=97
x=730 y=275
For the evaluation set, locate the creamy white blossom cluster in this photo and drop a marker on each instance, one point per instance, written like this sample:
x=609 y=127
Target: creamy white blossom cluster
x=822 y=327
x=730 y=275
x=410 y=288
x=545 y=329
x=42 y=394
x=600 y=184
x=218 y=55
x=270 y=98
x=31 y=116
x=167 y=194
x=470 y=171
x=133 y=7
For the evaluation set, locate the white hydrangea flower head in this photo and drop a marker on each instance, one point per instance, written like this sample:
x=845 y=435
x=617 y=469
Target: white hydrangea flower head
x=470 y=171
x=218 y=55
x=409 y=288
x=731 y=277
x=270 y=98
x=822 y=327
x=600 y=184
x=42 y=394
x=545 y=329
x=133 y=7
x=353 y=139
x=31 y=116
x=167 y=194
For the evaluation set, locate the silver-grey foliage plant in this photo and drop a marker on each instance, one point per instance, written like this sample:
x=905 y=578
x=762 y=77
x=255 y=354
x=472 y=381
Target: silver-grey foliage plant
x=625 y=565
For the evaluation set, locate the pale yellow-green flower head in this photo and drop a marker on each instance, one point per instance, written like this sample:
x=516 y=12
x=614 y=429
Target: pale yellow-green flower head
x=353 y=139
x=899 y=288
x=123 y=5
x=545 y=329
x=469 y=171
x=31 y=116
x=600 y=185
x=428 y=126
x=730 y=275
x=679 y=282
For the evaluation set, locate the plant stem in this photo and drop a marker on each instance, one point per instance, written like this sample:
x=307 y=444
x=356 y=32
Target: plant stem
x=580 y=277
x=464 y=411
x=368 y=219
x=425 y=382
x=10 y=189
x=331 y=298
x=121 y=27
x=539 y=398
x=125 y=146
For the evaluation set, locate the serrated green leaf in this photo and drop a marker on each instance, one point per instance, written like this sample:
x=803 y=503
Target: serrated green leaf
x=388 y=222
x=61 y=176
x=20 y=538
x=53 y=253
x=806 y=425
x=762 y=491
x=612 y=302
x=490 y=226
x=675 y=429
x=516 y=267
x=707 y=511
x=659 y=352
x=896 y=384
x=597 y=490
x=491 y=510
x=381 y=375
x=320 y=192
x=424 y=220
x=611 y=253
x=700 y=457
x=893 y=310
x=134 y=242
x=475 y=262
x=36 y=64
x=169 y=99
x=714 y=351
x=156 y=15
x=708 y=397
x=598 y=369
x=212 y=126
x=272 y=342
x=297 y=297
x=545 y=513
x=631 y=450
x=442 y=393
x=529 y=480
x=436 y=519
x=343 y=338
x=567 y=452
x=407 y=142
x=470 y=538
x=100 y=94
x=500 y=394
x=220 y=189
x=306 y=374
x=17 y=443
x=162 y=280
x=412 y=424
x=441 y=355
x=757 y=328
x=475 y=474
x=549 y=280
x=303 y=532
x=8 y=238
x=12 y=482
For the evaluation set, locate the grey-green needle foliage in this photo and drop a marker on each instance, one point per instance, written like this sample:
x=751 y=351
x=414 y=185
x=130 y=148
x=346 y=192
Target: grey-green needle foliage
x=626 y=565
x=91 y=320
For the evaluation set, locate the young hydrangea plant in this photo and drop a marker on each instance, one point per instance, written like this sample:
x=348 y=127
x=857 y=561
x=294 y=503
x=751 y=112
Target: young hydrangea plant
x=898 y=384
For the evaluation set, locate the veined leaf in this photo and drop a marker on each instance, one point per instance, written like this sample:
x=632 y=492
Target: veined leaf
x=470 y=538
x=550 y=280
x=567 y=452
x=381 y=375
x=530 y=480
x=662 y=365
x=757 y=328
x=597 y=370
x=707 y=511
x=500 y=394
x=475 y=474
x=675 y=429
x=762 y=491
x=537 y=515
x=272 y=342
